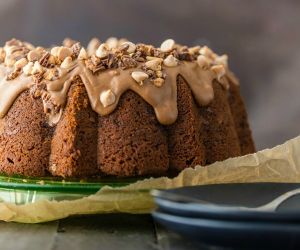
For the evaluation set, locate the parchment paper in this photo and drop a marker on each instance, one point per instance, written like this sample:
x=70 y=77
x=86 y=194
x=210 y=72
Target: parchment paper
x=279 y=164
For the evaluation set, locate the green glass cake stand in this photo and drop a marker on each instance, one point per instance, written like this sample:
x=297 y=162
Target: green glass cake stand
x=20 y=190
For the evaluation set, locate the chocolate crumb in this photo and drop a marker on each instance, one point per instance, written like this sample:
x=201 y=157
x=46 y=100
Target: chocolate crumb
x=127 y=62
x=92 y=67
x=138 y=56
x=44 y=61
x=38 y=77
x=150 y=73
x=13 y=75
x=76 y=47
x=112 y=61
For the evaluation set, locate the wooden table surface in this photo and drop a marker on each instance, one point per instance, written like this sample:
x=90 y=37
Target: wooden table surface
x=109 y=232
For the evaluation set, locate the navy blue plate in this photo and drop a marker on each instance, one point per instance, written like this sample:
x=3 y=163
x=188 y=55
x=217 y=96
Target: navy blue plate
x=252 y=235
x=226 y=199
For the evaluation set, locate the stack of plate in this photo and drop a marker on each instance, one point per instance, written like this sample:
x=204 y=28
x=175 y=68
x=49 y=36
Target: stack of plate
x=231 y=215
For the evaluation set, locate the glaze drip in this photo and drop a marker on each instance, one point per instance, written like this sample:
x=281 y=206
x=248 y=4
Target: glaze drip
x=116 y=81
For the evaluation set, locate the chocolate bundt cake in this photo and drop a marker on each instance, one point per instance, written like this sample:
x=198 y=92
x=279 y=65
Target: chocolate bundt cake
x=117 y=109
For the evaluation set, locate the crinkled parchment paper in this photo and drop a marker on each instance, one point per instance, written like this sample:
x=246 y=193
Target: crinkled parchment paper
x=279 y=164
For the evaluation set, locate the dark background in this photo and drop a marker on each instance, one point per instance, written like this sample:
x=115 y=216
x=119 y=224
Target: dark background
x=262 y=39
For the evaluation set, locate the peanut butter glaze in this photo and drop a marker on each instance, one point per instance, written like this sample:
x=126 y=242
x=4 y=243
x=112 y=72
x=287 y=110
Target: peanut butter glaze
x=163 y=99
x=10 y=90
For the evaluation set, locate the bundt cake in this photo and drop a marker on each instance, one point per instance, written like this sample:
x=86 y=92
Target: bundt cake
x=117 y=109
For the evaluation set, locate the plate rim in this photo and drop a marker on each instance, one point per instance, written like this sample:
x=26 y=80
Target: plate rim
x=48 y=184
